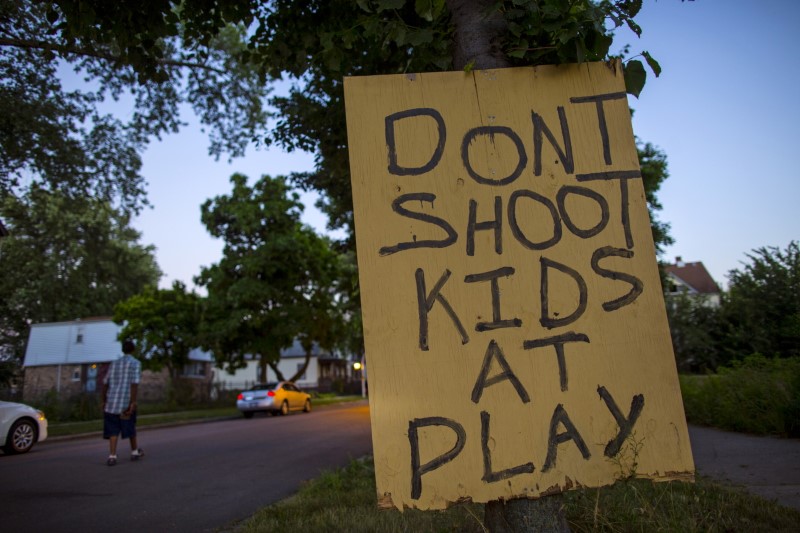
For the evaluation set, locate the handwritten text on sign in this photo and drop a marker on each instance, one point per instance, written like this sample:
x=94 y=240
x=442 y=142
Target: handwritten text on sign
x=515 y=331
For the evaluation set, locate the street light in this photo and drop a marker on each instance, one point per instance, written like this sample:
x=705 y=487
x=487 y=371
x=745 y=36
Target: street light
x=358 y=366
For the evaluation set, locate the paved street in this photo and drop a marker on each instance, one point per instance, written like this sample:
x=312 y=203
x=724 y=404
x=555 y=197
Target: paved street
x=766 y=466
x=194 y=478
x=204 y=477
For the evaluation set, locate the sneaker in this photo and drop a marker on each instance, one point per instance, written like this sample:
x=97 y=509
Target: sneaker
x=112 y=460
x=136 y=454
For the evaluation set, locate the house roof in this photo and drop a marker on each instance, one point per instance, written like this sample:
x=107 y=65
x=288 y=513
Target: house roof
x=86 y=341
x=297 y=350
x=694 y=275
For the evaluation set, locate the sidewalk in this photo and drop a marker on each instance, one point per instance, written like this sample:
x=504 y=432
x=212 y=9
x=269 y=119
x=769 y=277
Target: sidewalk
x=766 y=466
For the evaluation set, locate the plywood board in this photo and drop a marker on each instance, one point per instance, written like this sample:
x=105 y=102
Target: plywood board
x=516 y=335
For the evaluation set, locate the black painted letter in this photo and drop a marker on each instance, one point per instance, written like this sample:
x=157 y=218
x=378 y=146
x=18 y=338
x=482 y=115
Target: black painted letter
x=397 y=207
x=558 y=341
x=425 y=303
x=488 y=475
x=560 y=417
x=625 y=424
x=396 y=169
x=636 y=284
x=493 y=352
x=417 y=470
x=497 y=322
x=552 y=322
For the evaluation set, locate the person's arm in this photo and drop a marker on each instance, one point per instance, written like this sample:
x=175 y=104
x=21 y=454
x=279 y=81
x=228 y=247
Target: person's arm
x=132 y=404
x=105 y=395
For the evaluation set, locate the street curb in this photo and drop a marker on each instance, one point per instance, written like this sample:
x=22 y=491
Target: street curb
x=96 y=434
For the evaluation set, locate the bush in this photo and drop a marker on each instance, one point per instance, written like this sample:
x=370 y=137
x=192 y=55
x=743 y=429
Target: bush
x=756 y=395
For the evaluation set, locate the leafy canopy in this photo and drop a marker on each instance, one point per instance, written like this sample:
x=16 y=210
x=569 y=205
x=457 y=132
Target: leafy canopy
x=61 y=139
x=274 y=281
x=65 y=258
x=763 y=303
x=163 y=323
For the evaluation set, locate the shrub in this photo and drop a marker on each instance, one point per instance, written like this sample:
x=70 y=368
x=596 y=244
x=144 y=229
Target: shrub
x=756 y=395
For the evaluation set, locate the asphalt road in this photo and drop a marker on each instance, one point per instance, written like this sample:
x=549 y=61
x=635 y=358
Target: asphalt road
x=766 y=466
x=200 y=477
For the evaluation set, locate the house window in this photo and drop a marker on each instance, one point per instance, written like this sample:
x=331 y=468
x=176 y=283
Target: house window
x=79 y=339
x=194 y=369
x=76 y=374
x=299 y=368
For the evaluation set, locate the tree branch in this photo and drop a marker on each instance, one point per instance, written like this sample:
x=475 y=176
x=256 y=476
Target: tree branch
x=106 y=56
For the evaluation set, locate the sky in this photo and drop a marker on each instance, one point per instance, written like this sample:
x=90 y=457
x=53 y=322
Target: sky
x=725 y=111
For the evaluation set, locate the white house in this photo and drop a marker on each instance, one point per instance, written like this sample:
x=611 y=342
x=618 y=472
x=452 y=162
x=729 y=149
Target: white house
x=72 y=357
x=325 y=371
x=693 y=280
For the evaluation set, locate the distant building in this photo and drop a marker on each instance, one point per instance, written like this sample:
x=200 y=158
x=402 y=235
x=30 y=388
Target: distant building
x=692 y=279
x=326 y=372
x=73 y=357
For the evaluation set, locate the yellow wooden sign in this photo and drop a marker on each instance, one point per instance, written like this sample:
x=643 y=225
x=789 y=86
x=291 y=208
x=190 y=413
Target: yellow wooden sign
x=516 y=334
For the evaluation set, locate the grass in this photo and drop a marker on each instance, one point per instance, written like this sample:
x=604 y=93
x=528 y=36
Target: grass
x=147 y=418
x=345 y=500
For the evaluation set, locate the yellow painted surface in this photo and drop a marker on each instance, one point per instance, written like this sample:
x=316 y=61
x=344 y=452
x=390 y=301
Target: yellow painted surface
x=483 y=411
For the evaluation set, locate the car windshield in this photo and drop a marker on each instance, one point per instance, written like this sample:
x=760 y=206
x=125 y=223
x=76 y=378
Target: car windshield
x=264 y=386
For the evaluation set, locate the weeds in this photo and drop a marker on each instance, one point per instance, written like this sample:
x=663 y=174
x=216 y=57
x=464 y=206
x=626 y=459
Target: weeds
x=345 y=500
x=627 y=460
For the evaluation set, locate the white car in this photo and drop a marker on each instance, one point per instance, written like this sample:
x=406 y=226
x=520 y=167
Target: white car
x=21 y=426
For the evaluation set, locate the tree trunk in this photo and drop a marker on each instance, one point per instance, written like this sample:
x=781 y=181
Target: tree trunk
x=521 y=514
x=302 y=370
x=262 y=369
x=478 y=29
x=278 y=374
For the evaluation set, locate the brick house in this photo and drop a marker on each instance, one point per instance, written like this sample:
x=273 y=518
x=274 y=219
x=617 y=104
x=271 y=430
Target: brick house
x=73 y=357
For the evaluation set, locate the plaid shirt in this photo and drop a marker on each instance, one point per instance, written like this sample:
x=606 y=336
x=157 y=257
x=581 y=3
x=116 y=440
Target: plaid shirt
x=122 y=372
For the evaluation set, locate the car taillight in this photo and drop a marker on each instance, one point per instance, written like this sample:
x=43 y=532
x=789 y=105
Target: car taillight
x=271 y=393
x=240 y=397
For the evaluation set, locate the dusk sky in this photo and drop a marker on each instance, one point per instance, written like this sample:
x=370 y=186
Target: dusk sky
x=724 y=111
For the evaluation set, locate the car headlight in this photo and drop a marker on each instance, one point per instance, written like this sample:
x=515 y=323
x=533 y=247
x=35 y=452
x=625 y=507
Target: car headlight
x=40 y=416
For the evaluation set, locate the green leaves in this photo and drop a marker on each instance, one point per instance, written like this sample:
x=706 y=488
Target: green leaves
x=276 y=274
x=635 y=77
x=66 y=257
x=652 y=63
x=164 y=324
x=635 y=74
x=429 y=9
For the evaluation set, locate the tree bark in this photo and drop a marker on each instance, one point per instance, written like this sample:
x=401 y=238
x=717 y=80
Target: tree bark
x=523 y=515
x=478 y=32
x=478 y=28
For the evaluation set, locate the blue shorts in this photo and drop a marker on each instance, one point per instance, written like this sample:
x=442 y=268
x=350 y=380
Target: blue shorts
x=114 y=425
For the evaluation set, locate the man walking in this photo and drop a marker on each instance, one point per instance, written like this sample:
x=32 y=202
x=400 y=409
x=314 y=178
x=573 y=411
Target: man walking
x=120 y=387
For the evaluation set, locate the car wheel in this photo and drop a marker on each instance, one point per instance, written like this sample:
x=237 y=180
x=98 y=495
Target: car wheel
x=248 y=414
x=284 y=409
x=21 y=437
x=307 y=406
